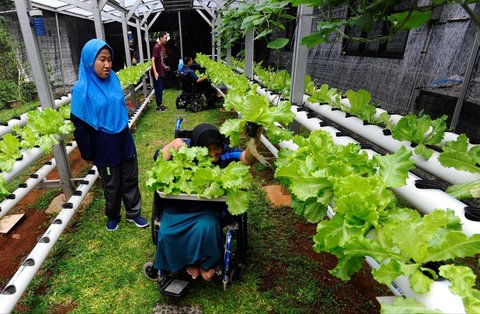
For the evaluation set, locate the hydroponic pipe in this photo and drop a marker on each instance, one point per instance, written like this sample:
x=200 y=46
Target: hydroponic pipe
x=35 y=179
x=24 y=275
x=7 y=127
x=138 y=111
x=29 y=156
x=439 y=296
x=426 y=200
x=375 y=134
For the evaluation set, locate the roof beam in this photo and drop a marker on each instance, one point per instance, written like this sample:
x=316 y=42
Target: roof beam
x=133 y=8
x=206 y=8
x=204 y=17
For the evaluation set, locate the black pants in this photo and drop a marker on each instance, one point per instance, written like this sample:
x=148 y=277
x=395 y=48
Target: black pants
x=121 y=182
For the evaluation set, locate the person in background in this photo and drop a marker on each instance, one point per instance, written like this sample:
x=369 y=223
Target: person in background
x=203 y=85
x=159 y=68
x=99 y=113
x=190 y=236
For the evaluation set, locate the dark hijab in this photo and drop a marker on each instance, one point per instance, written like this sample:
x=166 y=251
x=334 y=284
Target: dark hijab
x=205 y=134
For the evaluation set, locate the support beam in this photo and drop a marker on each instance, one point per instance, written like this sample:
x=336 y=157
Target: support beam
x=60 y=53
x=128 y=57
x=466 y=81
x=229 y=56
x=209 y=10
x=180 y=33
x=249 y=43
x=39 y=70
x=204 y=17
x=300 y=54
x=97 y=19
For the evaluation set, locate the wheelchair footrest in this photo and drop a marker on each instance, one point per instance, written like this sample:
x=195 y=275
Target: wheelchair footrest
x=173 y=287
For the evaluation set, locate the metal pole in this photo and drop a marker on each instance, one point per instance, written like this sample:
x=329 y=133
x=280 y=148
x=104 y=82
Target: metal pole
x=300 y=54
x=128 y=57
x=140 y=57
x=44 y=90
x=97 y=19
x=249 y=42
x=229 y=56
x=180 y=33
x=60 y=53
x=466 y=82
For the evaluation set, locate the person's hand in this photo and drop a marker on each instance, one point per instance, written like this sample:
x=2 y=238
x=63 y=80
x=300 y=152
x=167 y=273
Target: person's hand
x=167 y=68
x=156 y=76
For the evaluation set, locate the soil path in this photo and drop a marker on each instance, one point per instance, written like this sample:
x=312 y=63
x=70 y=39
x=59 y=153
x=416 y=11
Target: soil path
x=19 y=242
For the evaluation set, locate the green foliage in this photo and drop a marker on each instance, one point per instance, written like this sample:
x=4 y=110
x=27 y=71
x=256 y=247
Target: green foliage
x=365 y=14
x=465 y=190
x=131 y=75
x=421 y=131
x=458 y=155
x=8 y=91
x=191 y=171
x=264 y=17
x=256 y=108
x=8 y=70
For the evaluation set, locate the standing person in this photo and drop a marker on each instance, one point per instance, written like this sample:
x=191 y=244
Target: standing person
x=159 y=68
x=99 y=114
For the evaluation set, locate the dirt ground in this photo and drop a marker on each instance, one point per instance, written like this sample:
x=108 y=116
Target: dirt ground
x=19 y=242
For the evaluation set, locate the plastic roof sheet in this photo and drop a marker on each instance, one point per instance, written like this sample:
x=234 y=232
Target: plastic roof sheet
x=113 y=9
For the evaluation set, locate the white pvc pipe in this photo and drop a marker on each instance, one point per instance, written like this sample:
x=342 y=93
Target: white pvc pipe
x=22 y=120
x=375 y=134
x=24 y=275
x=29 y=156
x=439 y=296
x=426 y=200
x=31 y=183
x=134 y=117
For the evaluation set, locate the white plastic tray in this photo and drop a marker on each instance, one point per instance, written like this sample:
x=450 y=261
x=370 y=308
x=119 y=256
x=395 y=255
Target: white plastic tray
x=191 y=197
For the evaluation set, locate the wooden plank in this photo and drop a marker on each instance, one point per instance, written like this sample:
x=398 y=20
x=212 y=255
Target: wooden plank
x=8 y=222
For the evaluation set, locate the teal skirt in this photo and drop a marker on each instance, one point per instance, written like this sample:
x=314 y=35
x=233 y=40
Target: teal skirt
x=190 y=233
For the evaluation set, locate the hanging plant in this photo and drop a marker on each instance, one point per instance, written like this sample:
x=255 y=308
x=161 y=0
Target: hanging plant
x=264 y=18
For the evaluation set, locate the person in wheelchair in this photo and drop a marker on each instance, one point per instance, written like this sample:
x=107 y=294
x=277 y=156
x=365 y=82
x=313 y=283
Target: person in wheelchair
x=191 y=238
x=201 y=84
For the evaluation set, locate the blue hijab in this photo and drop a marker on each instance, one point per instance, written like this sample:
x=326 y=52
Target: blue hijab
x=98 y=102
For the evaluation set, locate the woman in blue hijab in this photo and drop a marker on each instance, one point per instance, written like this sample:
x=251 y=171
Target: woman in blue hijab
x=99 y=113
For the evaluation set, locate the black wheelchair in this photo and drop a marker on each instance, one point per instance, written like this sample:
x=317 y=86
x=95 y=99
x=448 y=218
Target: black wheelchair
x=234 y=229
x=191 y=97
x=195 y=95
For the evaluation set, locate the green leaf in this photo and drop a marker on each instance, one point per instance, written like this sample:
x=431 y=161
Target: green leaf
x=463 y=282
x=423 y=151
x=459 y=161
x=465 y=190
x=314 y=39
x=237 y=202
x=310 y=209
x=407 y=20
x=278 y=43
x=263 y=33
x=393 y=168
x=402 y=305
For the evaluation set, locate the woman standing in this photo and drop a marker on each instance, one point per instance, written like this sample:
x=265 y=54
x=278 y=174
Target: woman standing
x=99 y=114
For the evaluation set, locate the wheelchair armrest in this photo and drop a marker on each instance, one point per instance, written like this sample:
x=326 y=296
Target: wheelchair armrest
x=183 y=133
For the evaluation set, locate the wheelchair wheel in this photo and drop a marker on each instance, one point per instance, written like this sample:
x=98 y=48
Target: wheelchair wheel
x=196 y=104
x=182 y=101
x=155 y=225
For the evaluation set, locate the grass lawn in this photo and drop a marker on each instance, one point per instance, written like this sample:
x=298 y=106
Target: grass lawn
x=91 y=270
